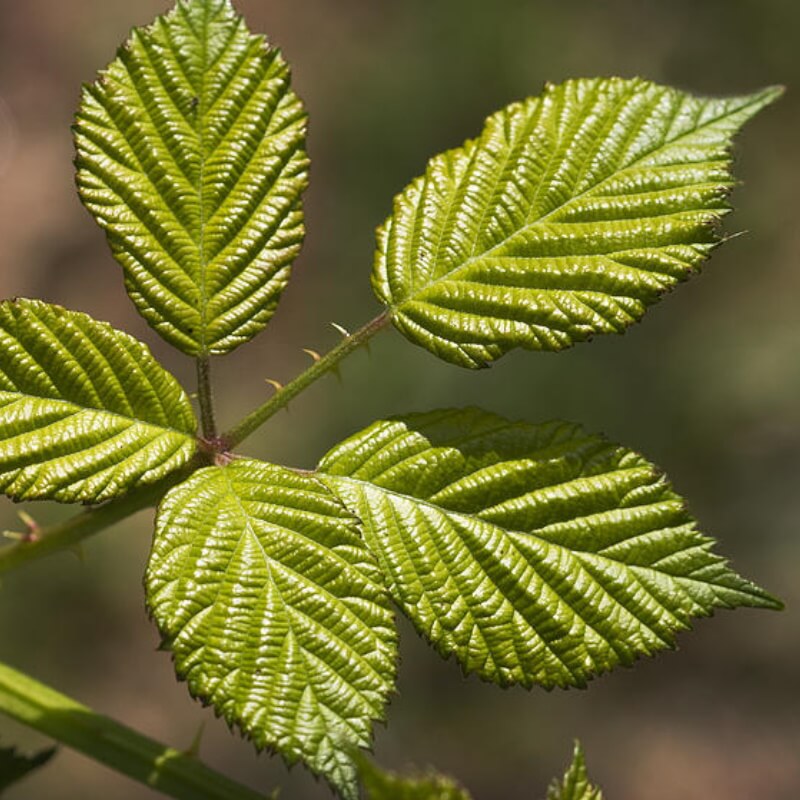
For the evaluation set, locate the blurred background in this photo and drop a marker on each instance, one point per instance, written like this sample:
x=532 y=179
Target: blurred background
x=708 y=386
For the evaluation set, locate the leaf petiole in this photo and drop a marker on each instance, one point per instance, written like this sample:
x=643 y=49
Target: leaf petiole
x=175 y=773
x=320 y=367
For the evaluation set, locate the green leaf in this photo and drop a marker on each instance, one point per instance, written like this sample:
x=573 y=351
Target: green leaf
x=380 y=784
x=533 y=553
x=86 y=412
x=15 y=765
x=190 y=155
x=568 y=216
x=275 y=611
x=575 y=784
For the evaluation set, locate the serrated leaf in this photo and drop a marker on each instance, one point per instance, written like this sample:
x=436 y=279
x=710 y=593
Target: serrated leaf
x=190 y=156
x=15 y=765
x=275 y=611
x=86 y=412
x=381 y=784
x=533 y=553
x=575 y=784
x=568 y=216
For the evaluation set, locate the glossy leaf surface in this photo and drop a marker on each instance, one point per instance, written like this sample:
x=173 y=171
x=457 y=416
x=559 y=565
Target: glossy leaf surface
x=274 y=611
x=381 y=784
x=191 y=157
x=536 y=554
x=567 y=217
x=86 y=412
x=575 y=784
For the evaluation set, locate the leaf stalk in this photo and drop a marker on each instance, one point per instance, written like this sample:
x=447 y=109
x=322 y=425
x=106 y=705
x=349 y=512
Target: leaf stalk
x=283 y=396
x=68 y=534
x=205 y=398
x=175 y=773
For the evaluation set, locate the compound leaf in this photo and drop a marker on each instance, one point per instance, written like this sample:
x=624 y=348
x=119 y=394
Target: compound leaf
x=275 y=611
x=380 y=784
x=568 y=216
x=536 y=554
x=190 y=156
x=86 y=412
x=575 y=784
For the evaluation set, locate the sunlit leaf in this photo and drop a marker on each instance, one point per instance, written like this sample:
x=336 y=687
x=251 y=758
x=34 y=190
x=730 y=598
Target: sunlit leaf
x=568 y=216
x=575 y=784
x=86 y=412
x=533 y=553
x=275 y=611
x=190 y=155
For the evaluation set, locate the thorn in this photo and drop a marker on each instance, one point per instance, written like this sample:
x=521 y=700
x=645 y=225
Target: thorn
x=15 y=535
x=341 y=329
x=277 y=385
x=335 y=370
x=194 y=748
x=313 y=353
x=31 y=525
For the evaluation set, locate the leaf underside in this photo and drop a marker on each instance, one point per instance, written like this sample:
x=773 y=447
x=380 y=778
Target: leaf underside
x=275 y=612
x=86 y=412
x=536 y=554
x=575 y=784
x=190 y=154
x=380 y=784
x=567 y=217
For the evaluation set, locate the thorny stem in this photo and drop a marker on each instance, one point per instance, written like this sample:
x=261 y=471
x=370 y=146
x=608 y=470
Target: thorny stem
x=72 y=531
x=177 y=774
x=283 y=396
x=205 y=398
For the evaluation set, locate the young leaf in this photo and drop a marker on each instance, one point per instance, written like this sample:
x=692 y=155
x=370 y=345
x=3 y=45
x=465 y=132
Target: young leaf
x=190 y=155
x=86 y=412
x=575 y=784
x=533 y=553
x=15 y=765
x=568 y=216
x=382 y=785
x=275 y=612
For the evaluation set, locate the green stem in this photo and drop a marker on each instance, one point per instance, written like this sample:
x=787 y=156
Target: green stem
x=170 y=771
x=75 y=529
x=205 y=398
x=283 y=396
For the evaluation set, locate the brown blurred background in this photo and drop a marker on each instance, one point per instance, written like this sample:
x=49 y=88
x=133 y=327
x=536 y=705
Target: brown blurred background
x=708 y=386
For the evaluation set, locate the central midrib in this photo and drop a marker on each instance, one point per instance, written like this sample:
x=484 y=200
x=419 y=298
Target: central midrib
x=452 y=274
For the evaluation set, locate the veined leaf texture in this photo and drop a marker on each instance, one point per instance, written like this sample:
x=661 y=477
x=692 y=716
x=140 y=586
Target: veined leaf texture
x=568 y=216
x=275 y=612
x=535 y=554
x=86 y=412
x=191 y=157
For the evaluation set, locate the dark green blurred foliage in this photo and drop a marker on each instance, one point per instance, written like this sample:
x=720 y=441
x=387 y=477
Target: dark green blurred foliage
x=708 y=386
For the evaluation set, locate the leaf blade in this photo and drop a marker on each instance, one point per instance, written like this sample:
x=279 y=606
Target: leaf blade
x=380 y=784
x=86 y=413
x=575 y=784
x=568 y=216
x=190 y=154
x=535 y=554
x=249 y=549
